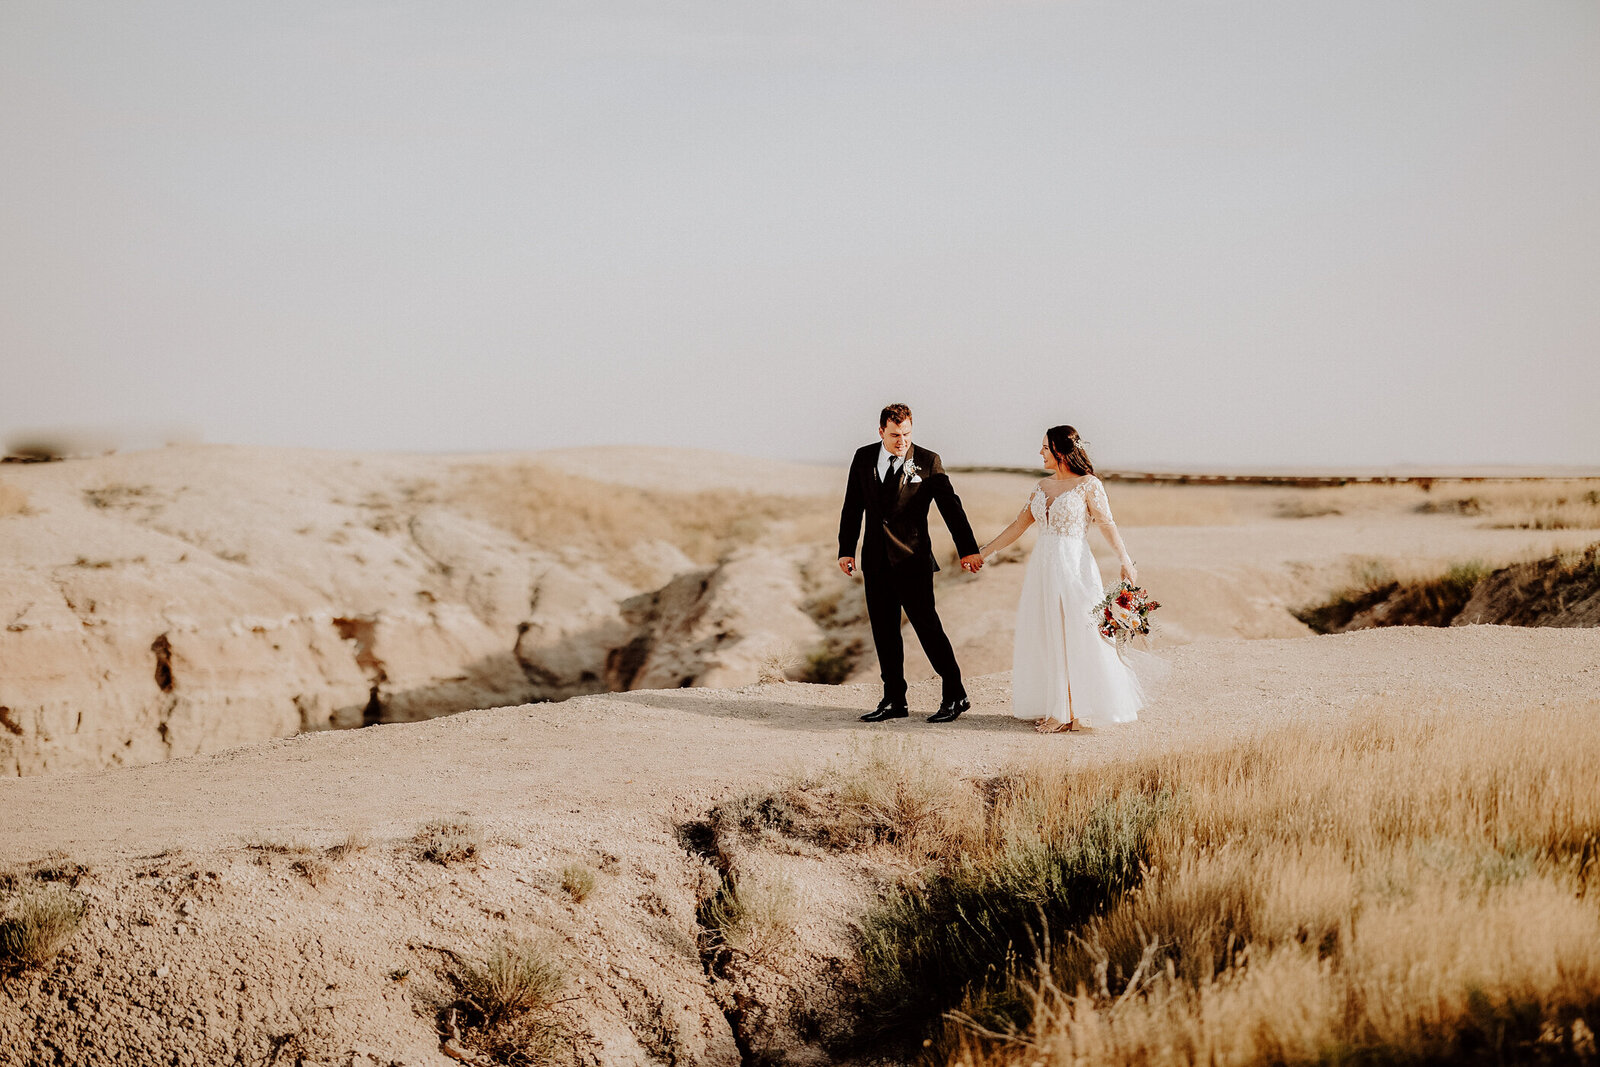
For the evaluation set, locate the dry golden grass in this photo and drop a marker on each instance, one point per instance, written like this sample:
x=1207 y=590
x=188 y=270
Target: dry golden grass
x=1532 y=503
x=548 y=507
x=1181 y=505
x=578 y=880
x=1552 y=503
x=13 y=501
x=508 y=1006
x=992 y=500
x=890 y=795
x=1399 y=889
x=37 y=919
x=757 y=919
x=776 y=661
x=517 y=976
x=551 y=508
x=447 y=841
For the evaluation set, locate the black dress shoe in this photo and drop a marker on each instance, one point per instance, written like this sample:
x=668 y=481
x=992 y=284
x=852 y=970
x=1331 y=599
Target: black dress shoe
x=950 y=710
x=887 y=709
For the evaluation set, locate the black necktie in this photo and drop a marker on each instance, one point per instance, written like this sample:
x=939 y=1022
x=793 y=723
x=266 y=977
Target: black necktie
x=893 y=470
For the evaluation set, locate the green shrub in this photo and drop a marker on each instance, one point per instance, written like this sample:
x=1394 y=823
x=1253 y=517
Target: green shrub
x=959 y=936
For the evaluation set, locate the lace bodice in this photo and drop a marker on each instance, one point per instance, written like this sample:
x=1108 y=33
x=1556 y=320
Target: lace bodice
x=1070 y=513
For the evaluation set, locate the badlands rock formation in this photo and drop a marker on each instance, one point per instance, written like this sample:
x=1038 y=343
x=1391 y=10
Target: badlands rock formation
x=183 y=600
x=177 y=601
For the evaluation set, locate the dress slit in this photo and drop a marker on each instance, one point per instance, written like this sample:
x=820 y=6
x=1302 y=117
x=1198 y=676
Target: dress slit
x=1066 y=661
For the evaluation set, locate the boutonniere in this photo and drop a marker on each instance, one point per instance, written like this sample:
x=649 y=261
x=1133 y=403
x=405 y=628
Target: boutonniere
x=912 y=477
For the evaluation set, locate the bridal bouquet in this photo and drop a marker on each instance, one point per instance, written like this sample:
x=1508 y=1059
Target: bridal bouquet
x=1124 y=613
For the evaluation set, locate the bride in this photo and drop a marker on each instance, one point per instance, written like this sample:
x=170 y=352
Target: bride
x=1063 y=672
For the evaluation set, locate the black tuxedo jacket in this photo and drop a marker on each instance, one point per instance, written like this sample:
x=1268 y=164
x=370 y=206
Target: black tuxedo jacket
x=897 y=520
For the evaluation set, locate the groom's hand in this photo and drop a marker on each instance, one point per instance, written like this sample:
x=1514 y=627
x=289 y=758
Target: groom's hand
x=848 y=565
x=972 y=563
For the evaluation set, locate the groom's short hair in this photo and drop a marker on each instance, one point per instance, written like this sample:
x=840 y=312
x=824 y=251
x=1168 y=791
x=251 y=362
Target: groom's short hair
x=894 y=413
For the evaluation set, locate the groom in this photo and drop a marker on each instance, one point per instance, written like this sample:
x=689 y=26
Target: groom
x=893 y=483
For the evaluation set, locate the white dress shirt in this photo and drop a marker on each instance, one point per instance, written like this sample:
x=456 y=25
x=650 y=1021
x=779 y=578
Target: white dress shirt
x=885 y=457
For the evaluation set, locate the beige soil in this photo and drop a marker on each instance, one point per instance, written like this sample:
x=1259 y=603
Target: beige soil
x=208 y=950
x=171 y=617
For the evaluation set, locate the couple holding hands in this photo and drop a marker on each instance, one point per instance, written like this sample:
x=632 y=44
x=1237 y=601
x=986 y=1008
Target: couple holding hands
x=1064 y=672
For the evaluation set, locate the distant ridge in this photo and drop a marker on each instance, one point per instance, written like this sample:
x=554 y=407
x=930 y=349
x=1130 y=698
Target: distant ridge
x=1320 y=477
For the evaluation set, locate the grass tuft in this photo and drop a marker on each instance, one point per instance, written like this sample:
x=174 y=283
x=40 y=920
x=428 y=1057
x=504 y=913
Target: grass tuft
x=578 y=879
x=757 y=919
x=507 y=1004
x=517 y=976
x=775 y=663
x=449 y=840
x=1306 y=507
x=36 y=922
x=356 y=841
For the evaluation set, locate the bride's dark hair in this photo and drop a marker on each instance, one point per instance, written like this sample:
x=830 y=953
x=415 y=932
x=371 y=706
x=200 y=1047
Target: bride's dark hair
x=1068 y=449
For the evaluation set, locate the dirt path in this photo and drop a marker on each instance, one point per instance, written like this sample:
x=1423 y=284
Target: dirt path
x=658 y=755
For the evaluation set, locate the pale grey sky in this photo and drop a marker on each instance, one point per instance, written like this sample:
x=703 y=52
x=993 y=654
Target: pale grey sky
x=1337 y=233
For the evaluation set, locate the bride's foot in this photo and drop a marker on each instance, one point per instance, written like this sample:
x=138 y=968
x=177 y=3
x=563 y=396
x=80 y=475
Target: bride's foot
x=1051 y=726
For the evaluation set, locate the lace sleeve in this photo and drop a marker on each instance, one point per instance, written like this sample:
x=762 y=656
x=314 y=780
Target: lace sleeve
x=1099 y=506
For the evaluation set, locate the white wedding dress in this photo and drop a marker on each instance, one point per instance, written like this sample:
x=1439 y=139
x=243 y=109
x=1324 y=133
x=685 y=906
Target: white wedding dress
x=1061 y=667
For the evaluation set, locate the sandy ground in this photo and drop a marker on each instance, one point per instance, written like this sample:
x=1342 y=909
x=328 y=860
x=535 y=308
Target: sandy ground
x=205 y=941
x=660 y=755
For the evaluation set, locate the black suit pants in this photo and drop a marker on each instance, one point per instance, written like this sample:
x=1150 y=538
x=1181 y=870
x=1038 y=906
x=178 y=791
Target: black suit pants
x=908 y=586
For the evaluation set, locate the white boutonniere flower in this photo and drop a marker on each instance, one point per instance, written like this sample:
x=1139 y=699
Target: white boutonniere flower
x=912 y=477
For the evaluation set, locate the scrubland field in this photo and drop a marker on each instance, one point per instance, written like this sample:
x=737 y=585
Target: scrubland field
x=1392 y=888
x=617 y=808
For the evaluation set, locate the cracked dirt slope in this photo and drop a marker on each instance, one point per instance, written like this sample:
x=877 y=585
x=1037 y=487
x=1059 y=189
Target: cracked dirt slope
x=206 y=948
x=182 y=600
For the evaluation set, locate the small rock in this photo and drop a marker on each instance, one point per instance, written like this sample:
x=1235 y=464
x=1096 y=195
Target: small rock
x=186 y=908
x=182 y=930
x=161 y=971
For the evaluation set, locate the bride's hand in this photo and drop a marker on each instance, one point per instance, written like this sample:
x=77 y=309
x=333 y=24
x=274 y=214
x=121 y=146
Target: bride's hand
x=1130 y=573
